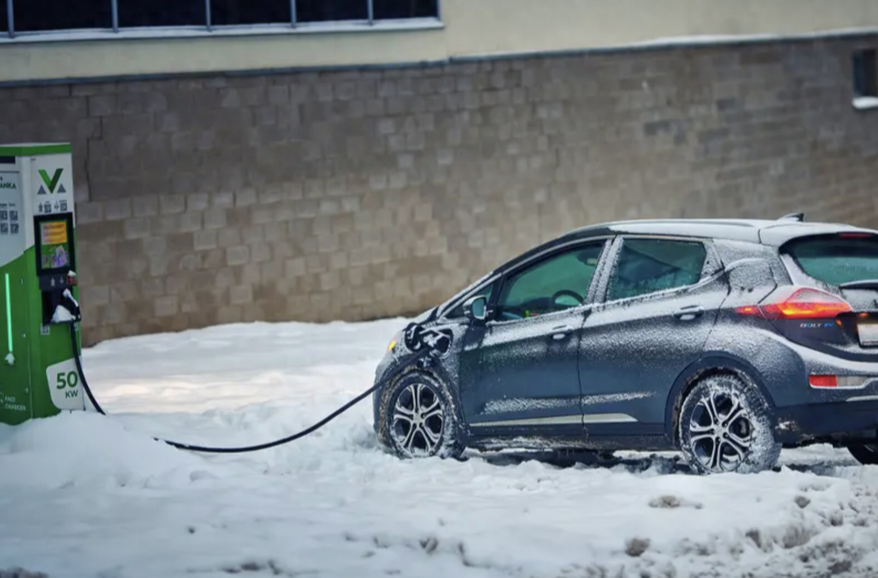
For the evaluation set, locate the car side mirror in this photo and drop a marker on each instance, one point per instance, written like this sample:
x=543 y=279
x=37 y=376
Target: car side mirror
x=476 y=308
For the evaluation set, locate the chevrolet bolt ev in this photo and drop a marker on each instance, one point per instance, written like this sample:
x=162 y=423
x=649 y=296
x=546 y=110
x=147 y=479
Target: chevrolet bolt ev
x=726 y=340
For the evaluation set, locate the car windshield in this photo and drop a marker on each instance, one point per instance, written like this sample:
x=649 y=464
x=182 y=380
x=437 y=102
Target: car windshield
x=837 y=260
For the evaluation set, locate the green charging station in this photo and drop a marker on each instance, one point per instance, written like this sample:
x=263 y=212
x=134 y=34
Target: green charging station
x=38 y=374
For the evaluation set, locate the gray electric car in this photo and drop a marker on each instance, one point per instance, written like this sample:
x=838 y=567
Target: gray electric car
x=724 y=339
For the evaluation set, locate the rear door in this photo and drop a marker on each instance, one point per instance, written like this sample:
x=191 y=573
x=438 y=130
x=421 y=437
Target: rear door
x=662 y=298
x=844 y=264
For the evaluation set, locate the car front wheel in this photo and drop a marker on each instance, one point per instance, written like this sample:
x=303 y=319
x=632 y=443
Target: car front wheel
x=418 y=418
x=725 y=425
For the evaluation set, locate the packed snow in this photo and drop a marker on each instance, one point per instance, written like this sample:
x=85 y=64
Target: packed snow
x=86 y=495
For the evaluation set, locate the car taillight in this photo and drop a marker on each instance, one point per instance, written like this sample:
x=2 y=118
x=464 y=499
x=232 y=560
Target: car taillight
x=798 y=303
x=840 y=381
x=823 y=381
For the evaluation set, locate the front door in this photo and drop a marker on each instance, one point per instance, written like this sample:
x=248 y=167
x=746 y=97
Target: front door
x=662 y=299
x=518 y=372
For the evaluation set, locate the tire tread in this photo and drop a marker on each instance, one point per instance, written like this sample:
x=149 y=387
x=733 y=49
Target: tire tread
x=450 y=445
x=766 y=451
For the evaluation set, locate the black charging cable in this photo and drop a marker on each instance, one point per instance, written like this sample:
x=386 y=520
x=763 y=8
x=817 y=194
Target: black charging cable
x=219 y=450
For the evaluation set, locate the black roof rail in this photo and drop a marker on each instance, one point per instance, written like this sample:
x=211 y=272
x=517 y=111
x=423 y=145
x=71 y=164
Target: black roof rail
x=799 y=217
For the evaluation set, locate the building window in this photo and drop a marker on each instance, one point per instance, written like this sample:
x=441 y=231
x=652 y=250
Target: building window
x=45 y=15
x=865 y=76
x=35 y=16
x=333 y=11
x=394 y=9
x=237 y=12
x=139 y=14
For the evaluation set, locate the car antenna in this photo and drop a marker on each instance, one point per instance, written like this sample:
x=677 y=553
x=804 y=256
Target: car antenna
x=800 y=217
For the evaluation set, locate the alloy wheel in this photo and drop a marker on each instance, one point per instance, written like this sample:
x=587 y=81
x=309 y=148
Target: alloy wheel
x=418 y=419
x=721 y=433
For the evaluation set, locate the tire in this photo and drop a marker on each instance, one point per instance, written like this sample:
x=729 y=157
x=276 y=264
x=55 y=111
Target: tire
x=746 y=444
x=866 y=454
x=428 y=428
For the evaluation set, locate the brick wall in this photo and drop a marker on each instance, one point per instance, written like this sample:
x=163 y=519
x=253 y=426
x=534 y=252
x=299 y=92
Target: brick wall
x=361 y=194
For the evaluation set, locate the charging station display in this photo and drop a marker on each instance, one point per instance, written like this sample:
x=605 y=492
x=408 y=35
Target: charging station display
x=54 y=244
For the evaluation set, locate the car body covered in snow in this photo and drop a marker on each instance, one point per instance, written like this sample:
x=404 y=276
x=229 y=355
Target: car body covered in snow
x=724 y=339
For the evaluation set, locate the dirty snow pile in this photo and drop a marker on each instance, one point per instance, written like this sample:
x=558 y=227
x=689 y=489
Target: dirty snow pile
x=85 y=495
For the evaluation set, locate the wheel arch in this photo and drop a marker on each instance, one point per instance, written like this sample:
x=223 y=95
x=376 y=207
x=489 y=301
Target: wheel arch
x=434 y=371
x=709 y=365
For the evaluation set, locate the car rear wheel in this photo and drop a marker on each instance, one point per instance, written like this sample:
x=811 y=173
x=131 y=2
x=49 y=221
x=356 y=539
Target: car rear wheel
x=866 y=454
x=725 y=425
x=418 y=418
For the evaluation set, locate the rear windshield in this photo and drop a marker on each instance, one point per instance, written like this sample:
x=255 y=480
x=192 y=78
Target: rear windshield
x=837 y=260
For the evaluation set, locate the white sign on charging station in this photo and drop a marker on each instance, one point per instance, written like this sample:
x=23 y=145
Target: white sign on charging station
x=64 y=384
x=11 y=215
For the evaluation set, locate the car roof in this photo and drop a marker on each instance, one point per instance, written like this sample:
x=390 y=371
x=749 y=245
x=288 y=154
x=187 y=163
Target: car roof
x=771 y=232
x=764 y=231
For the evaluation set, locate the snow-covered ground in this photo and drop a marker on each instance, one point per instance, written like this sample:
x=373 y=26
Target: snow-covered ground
x=86 y=495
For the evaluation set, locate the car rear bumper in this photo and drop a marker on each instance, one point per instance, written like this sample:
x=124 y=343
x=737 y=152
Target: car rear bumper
x=836 y=423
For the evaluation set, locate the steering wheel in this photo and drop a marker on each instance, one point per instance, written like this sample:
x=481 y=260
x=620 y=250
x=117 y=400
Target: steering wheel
x=568 y=293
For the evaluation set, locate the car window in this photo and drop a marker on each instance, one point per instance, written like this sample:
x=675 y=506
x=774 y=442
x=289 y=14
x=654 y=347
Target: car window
x=458 y=312
x=553 y=284
x=649 y=265
x=837 y=260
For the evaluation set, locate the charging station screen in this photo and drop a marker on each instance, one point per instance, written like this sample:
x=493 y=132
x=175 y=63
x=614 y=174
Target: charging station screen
x=54 y=244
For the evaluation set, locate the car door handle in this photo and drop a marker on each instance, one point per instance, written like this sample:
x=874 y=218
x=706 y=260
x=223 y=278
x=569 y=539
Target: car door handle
x=689 y=313
x=560 y=332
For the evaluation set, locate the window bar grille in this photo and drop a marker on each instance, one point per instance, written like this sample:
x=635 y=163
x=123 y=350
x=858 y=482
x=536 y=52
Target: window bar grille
x=371 y=11
x=207 y=15
x=293 y=13
x=10 y=18
x=115 y=11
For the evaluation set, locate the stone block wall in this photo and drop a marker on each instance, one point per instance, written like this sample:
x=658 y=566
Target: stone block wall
x=352 y=195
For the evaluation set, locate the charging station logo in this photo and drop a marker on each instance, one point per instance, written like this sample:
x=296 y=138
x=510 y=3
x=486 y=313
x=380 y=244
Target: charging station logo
x=51 y=183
